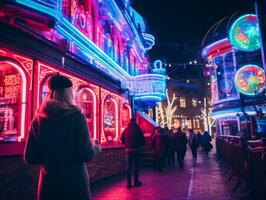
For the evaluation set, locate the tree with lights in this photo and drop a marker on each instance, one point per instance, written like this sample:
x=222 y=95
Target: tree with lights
x=165 y=113
x=206 y=116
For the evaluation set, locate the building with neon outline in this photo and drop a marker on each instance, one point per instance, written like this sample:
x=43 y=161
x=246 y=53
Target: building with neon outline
x=100 y=45
x=232 y=50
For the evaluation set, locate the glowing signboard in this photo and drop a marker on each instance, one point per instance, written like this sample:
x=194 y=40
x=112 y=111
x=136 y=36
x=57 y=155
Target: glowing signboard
x=250 y=79
x=244 y=34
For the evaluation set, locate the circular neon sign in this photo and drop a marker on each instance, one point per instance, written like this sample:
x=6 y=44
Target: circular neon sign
x=250 y=79
x=244 y=33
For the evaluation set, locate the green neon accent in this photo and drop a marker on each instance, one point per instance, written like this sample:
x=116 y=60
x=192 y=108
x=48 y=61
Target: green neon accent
x=244 y=34
x=250 y=80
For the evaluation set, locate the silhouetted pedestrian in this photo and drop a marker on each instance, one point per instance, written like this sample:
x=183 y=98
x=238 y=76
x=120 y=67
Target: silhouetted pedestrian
x=171 y=149
x=133 y=138
x=199 y=139
x=193 y=143
x=206 y=142
x=160 y=146
x=180 y=143
x=59 y=141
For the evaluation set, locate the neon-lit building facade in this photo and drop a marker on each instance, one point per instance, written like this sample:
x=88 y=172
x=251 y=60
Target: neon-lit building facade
x=232 y=50
x=100 y=45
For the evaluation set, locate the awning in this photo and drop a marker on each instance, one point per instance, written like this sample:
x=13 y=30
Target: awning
x=145 y=123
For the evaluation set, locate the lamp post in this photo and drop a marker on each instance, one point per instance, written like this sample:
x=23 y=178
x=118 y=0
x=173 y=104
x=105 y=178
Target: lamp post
x=260 y=6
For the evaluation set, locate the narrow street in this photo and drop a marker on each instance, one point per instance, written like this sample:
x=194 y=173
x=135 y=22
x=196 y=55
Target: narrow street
x=205 y=179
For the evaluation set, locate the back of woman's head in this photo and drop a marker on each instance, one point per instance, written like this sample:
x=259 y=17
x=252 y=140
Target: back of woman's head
x=64 y=95
x=60 y=89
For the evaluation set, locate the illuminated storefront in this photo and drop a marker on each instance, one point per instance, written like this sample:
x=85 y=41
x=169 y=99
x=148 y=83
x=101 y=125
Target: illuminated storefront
x=237 y=75
x=93 y=43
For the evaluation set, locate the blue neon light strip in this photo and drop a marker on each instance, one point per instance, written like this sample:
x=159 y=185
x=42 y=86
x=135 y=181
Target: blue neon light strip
x=37 y=5
x=156 y=98
x=151 y=93
x=233 y=112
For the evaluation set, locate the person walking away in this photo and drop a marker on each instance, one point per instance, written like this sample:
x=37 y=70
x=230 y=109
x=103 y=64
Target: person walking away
x=180 y=145
x=206 y=142
x=160 y=146
x=199 y=139
x=59 y=141
x=193 y=143
x=133 y=138
x=171 y=150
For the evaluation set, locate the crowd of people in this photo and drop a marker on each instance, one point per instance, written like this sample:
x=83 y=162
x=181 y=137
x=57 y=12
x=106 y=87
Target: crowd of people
x=169 y=147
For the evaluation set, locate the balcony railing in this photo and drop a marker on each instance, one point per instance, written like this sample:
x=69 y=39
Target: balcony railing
x=149 y=87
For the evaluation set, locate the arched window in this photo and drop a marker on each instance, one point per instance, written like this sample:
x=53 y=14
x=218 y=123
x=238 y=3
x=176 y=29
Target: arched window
x=86 y=99
x=110 y=120
x=13 y=99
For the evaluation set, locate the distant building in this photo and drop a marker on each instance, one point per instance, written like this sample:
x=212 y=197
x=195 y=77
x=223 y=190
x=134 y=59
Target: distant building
x=190 y=88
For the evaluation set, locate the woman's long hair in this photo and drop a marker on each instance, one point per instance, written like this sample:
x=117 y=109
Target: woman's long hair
x=64 y=96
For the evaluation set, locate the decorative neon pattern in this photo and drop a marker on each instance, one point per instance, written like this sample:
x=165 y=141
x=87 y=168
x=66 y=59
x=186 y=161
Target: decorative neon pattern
x=23 y=98
x=129 y=110
x=206 y=51
x=149 y=39
x=250 y=79
x=152 y=85
x=244 y=34
x=158 y=67
x=103 y=138
x=116 y=119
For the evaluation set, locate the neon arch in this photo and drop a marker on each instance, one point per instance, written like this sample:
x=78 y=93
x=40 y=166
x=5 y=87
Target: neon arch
x=23 y=97
x=94 y=108
x=103 y=138
x=129 y=108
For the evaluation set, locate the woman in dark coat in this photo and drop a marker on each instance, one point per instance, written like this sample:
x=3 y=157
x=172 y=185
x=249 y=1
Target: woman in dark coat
x=59 y=141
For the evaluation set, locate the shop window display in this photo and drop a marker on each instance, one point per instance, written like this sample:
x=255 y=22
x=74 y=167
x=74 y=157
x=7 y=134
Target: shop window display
x=86 y=99
x=110 y=125
x=11 y=103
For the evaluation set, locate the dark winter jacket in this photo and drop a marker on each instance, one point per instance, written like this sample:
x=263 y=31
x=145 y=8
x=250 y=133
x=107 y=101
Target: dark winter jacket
x=180 y=142
x=160 y=144
x=59 y=140
x=132 y=137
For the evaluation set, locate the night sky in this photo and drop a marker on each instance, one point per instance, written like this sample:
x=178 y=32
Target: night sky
x=180 y=25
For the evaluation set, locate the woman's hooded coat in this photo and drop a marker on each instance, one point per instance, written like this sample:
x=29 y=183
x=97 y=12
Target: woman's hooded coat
x=59 y=140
